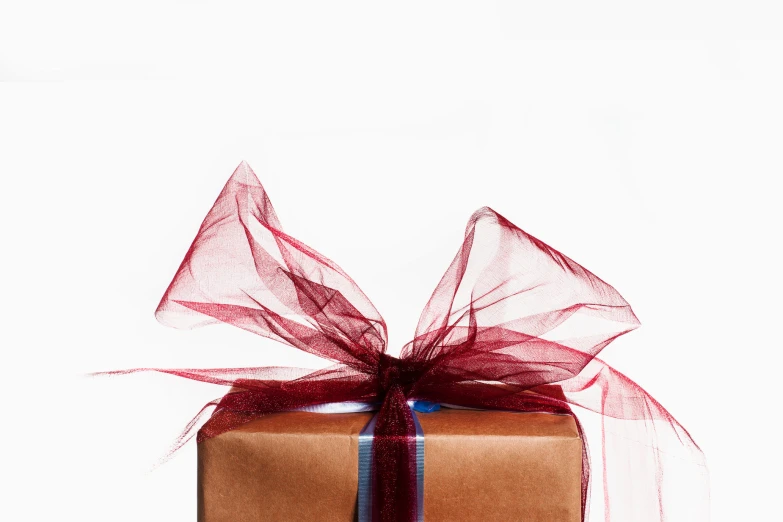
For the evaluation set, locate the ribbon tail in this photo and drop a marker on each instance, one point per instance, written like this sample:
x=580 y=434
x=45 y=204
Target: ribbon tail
x=395 y=492
x=366 y=437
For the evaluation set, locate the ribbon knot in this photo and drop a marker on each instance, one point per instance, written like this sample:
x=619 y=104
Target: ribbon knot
x=395 y=372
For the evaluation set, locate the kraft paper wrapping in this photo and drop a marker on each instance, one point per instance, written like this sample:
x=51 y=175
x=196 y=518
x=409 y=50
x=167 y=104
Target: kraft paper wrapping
x=478 y=465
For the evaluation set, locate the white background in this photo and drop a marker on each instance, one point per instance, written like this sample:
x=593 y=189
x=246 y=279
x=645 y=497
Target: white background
x=642 y=141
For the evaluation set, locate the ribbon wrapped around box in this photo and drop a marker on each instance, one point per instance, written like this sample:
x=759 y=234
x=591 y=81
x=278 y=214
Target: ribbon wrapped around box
x=514 y=327
x=479 y=465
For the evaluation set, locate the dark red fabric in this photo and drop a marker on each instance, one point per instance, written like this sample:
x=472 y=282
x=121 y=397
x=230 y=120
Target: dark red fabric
x=513 y=325
x=394 y=460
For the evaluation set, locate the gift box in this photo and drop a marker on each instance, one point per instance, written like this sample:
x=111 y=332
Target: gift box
x=478 y=465
x=508 y=340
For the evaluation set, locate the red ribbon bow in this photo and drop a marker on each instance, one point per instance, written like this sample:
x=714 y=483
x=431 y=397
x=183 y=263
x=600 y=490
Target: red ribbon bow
x=513 y=325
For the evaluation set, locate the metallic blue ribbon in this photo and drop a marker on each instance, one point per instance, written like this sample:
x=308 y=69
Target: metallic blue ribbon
x=365 y=462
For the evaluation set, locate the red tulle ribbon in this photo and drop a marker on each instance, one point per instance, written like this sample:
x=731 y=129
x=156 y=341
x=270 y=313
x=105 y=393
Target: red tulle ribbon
x=512 y=325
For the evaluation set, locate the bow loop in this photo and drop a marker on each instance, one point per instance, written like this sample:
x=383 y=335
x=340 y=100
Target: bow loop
x=242 y=269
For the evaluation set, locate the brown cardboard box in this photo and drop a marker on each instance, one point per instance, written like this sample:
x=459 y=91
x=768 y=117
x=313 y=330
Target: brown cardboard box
x=478 y=465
